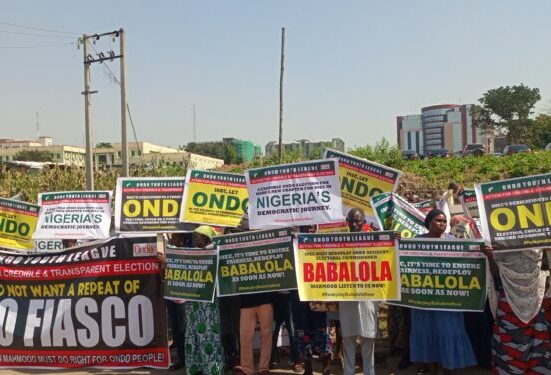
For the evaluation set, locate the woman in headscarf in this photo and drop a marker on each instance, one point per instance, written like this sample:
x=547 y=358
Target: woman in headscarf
x=204 y=351
x=521 y=342
x=439 y=337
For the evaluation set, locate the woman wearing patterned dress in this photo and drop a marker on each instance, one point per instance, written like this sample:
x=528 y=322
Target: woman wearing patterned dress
x=204 y=351
x=521 y=341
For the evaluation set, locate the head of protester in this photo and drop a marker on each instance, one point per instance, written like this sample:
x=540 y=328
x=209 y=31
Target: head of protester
x=436 y=222
x=202 y=236
x=67 y=243
x=355 y=220
x=177 y=239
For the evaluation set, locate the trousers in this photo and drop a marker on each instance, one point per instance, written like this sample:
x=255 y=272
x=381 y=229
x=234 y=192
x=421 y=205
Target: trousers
x=249 y=316
x=368 y=355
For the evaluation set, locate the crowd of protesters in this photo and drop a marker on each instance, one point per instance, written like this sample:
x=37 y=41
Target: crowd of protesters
x=512 y=335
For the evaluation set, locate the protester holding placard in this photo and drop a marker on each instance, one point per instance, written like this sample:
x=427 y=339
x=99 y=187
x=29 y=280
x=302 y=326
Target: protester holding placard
x=439 y=337
x=521 y=341
x=176 y=311
x=254 y=308
x=358 y=318
x=204 y=351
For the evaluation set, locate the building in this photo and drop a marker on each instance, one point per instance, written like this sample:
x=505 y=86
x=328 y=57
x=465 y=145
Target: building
x=305 y=147
x=247 y=151
x=108 y=157
x=448 y=126
x=62 y=154
x=146 y=153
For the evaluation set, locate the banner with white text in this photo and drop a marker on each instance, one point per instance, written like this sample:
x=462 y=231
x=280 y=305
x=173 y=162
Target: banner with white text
x=74 y=215
x=441 y=274
x=214 y=198
x=255 y=262
x=361 y=179
x=516 y=214
x=149 y=204
x=93 y=306
x=347 y=267
x=295 y=194
x=17 y=223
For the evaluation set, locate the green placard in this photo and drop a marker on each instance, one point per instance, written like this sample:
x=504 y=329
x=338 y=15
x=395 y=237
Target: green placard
x=442 y=275
x=190 y=274
x=255 y=262
x=516 y=214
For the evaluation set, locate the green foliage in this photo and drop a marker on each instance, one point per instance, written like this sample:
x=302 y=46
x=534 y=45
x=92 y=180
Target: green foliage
x=540 y=132
x=426 y=178
x=34 y=155
x=507 y=109
x=219 y=150
x=383 y=153
x=104 y=145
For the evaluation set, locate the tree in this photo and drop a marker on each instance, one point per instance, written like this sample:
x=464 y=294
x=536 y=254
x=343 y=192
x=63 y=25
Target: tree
x=34 y=155
x=104 y=145
x=507 y=109
x=383 y=152
x=226 y=151
x=540 y=131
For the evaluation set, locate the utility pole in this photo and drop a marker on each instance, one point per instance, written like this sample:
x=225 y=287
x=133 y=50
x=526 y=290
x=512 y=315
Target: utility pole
x=124 y=141
x=101 y=57
x=194 y=125
x=88 y=128
x=280 y=147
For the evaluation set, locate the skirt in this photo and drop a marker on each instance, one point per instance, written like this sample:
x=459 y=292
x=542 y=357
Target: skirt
x=518 y=347
x=440 y=336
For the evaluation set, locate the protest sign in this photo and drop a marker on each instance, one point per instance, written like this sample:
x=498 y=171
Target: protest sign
x=74 y=215
x=395 y=213
x=441 y=274
x=214 y=198
x=294 y=194
x=347 y=267
x=96 y=305
x=424 y=206
x=516 y=213
x=17 y=223
x=48 y=245
x=338 y=227
x=190 y=274
x=362 y=179
x=468 y=201
x=149 y=204
x=255 y=262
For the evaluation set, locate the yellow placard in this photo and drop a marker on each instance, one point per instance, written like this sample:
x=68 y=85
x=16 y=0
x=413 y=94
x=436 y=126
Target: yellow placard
x=17 y=224
x=344 y=270
x=362 y=179
x=357 y=188
x=214 y=198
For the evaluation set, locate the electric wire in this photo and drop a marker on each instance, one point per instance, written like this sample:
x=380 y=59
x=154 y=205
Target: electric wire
x=38 y=28
x=35 y=34
x=114 y=79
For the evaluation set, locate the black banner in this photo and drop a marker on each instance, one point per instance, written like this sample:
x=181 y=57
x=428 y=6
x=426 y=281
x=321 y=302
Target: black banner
x=97 y=305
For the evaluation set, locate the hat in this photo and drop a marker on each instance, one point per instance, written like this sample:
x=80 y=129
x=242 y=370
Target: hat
x=205 y=230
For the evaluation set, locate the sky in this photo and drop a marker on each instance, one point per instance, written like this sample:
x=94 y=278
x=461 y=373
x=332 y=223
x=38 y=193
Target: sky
x=351 y=67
